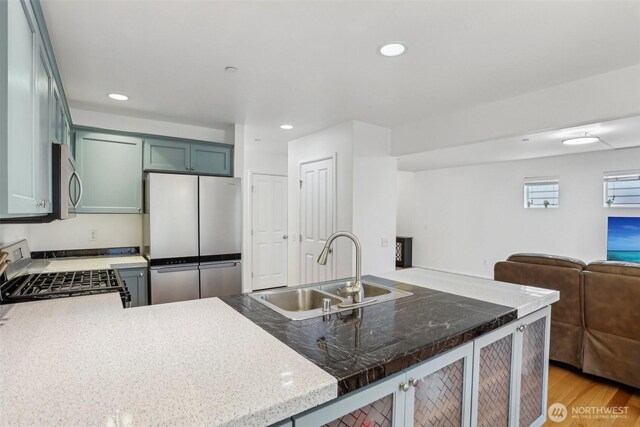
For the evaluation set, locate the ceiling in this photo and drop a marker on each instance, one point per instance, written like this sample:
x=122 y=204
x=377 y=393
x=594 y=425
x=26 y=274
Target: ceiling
x=614 y=134
x=314 y=64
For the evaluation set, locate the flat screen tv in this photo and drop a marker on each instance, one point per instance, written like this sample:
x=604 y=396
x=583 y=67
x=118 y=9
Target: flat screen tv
x=623 y=239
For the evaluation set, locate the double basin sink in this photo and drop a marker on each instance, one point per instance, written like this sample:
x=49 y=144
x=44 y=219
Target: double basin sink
x=305 y=302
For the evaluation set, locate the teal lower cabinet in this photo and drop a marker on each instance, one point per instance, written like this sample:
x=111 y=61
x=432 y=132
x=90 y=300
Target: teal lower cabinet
x=136 y=281
x=111 y=172
x=499 y=379
x=435 y=392
x=211 y=159
x=166 y=155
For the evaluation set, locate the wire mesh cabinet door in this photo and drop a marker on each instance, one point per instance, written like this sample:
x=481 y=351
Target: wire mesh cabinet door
x=494 y=378
x=440 y=390
x=510 y=373
x=532 y=336
x=381 y=405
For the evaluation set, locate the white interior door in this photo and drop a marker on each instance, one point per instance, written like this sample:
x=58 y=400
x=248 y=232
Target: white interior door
x=269 y=227
x=317 y=222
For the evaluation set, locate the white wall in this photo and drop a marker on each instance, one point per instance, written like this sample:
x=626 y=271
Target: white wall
x=406 y=207
x=374 y=196
x=468 y=218
x=263 y=162
x=111 y=231
x=335 y=141
x=366 y=194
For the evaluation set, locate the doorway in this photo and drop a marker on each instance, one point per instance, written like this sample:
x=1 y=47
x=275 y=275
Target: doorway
x=317 y=218
x=268 y=231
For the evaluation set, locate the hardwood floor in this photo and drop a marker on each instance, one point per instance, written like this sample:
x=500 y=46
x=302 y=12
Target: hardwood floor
x=576 y=390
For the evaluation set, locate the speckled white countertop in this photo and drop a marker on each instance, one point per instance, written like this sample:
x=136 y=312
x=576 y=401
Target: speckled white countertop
x=94 y=263
x=87 y=361
x=526 y=299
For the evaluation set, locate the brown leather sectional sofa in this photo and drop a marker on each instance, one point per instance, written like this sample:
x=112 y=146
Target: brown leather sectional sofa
x=595 y=326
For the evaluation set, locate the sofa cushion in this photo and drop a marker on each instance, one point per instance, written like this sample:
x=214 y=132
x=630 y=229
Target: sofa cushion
x=615 y=267
x=568 y=281
x=551 y=260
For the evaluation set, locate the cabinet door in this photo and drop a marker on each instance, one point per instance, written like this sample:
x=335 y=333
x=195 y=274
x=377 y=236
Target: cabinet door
x=211 y=159
x=111 y=173
x=165 y=155
x=533 y=334
x=22 y=185
x=440 y=390
x=381 y=404
x=136 y=281
x=42 y=147
x=494 y=378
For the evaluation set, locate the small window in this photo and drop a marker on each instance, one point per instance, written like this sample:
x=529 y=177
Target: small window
x=622 y=189
x=541 y=193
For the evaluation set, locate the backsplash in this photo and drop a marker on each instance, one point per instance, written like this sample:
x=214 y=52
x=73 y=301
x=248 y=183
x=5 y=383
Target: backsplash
x=109 y=231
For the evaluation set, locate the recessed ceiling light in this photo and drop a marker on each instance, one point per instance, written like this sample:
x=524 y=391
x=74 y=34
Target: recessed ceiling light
x=231 y=69
x=392 y=49
x=581 y=140
x=525 y=140
x=286 y=127
x=118 y=97
x=257 y=140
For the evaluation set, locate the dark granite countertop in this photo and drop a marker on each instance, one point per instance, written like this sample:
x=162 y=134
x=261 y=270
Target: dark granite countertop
x=361 y=346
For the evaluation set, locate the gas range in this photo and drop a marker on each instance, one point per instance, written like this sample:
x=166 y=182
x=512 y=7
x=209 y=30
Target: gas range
x=28 y=283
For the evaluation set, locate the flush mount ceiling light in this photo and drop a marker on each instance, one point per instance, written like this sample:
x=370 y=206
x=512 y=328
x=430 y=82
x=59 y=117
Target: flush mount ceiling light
x=581 y=140
x=118 y=97
x=392 y=49
x=286 y=127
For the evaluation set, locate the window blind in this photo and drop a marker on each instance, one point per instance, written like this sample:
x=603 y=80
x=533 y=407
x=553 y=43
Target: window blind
x=543 y=193
x=622 y=189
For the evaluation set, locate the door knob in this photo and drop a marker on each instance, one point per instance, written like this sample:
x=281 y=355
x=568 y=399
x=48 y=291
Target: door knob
x=285 y=237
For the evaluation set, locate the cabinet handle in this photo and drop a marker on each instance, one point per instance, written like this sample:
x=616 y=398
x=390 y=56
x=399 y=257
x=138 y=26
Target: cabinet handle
x=414 y=382
x=404 y=386
x=140 y=274
x=188 y=168
x=521 y=328
x=285 y=237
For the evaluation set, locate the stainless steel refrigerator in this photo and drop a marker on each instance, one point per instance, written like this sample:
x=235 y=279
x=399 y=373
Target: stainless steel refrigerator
x=192 y=236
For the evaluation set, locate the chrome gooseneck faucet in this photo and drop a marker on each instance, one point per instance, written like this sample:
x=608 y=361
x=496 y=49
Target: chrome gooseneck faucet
x=355 y=291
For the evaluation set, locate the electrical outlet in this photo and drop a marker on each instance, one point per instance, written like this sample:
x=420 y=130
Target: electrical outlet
x=93 y=234
x=384 y=242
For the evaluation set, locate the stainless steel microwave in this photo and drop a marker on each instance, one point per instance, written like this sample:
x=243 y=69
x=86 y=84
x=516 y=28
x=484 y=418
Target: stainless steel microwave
x=66 y=184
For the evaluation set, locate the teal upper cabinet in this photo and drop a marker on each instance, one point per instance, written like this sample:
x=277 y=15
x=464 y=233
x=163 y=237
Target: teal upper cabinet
x=187 y=157
x=166 y=155
x=25 y=90
x=211 y=159
x=110 y=168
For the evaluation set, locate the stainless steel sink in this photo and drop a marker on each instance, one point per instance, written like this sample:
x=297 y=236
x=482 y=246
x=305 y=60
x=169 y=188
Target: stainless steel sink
x=370 y=291
x=305 y=302
x=296 y=300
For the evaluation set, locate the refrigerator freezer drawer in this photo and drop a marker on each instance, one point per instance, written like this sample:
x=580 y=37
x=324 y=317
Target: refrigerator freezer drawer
x=174 y=284
x=220 y=279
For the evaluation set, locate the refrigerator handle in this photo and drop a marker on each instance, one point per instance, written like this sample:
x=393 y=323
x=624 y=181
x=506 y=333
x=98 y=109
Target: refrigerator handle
x=218 y=265
x=175 y=269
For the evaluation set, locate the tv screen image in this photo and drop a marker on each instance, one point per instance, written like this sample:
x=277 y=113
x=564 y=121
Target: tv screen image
x=623 y=239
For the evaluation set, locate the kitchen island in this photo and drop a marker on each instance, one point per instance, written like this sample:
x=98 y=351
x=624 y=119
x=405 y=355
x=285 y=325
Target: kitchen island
x=85 y=360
